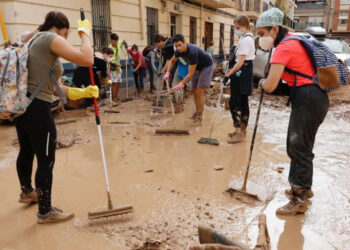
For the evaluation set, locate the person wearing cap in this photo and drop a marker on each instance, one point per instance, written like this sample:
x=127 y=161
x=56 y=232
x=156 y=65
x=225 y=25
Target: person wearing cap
x=309 y=105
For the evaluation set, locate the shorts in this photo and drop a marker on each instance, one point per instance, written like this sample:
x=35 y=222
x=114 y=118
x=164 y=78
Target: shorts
x=202 y=79
x=116 y=77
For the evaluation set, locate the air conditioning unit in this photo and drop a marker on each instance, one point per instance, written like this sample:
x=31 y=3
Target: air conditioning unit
x=179 y=7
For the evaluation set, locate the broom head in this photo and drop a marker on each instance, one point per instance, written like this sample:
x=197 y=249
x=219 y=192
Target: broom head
x=106 y=212
x=209 y=141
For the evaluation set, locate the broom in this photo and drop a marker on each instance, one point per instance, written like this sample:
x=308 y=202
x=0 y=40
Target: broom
x=174 y=130
x=244 y=187
x=110 y=210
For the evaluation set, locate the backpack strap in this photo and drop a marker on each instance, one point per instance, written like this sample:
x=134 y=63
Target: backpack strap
x=5 y=68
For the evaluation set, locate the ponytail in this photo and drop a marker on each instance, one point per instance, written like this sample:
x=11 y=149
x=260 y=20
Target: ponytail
x=54 y=19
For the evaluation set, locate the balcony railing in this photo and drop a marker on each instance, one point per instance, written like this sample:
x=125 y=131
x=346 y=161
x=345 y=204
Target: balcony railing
x=250 y=5
x=310 y=6
x=304 y=25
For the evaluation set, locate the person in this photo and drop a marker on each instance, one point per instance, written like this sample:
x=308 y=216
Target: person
x=309 y=105
x=200 y=70
x=211 y=50
x=241 y=77
x=139 y=69
x=116 y=71
x=166 y=45
x=149 y=55
x=36 y=129
x=81 y=77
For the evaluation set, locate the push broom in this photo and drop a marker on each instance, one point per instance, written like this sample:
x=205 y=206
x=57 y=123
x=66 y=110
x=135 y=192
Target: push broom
x=109 y=210
x=209 y=140
x=243 y=190
x=174 y=130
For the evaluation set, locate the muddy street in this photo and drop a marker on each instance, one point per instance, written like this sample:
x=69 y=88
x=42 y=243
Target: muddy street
x=176 y=184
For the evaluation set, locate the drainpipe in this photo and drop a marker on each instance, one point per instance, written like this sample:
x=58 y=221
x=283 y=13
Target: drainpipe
x=141 y=19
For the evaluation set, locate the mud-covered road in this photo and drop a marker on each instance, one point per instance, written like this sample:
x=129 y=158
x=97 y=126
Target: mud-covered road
x=174 y=185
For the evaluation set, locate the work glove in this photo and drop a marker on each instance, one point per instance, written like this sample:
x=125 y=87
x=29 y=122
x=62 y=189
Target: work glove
x=225 y=80
x=260 y=84
x=166 y=76
x=109 y=82
x=79 y=93
x=181 y=85
x=84 y=27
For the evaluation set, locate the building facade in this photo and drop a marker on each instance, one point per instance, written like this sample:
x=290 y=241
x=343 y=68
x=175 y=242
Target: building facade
x=136 y=21
x=310 y=14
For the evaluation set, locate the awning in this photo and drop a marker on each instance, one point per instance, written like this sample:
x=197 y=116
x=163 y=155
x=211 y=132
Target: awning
x=215 y=4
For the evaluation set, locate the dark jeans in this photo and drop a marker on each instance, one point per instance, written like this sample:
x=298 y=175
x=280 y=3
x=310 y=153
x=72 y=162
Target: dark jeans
x=36 y=133
x=239 y=106
x=309 y=108
x=151 y=75
x=138 y=77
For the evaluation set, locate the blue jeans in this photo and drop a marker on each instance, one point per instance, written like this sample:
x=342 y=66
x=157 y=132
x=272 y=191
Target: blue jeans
x=138 y=77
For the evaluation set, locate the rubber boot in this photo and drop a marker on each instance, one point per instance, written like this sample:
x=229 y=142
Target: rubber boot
x=308 y=193
x=54 y=216
x=237 y=137
x=28 y=197
x=298 y=204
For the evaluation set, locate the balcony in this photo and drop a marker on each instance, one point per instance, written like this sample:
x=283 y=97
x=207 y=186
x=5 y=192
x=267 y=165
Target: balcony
x=303 y=25
x=310 y=6
x=251 y=8
x=216 y=4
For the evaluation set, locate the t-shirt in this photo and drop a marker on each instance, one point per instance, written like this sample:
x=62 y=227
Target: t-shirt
x=293 y=55
x=40 y=60
x=116 y=55
x=81 y=75
x=168 y=50
x=210 y=51
x=195 y=56
x=246 y=47
x=135 y=58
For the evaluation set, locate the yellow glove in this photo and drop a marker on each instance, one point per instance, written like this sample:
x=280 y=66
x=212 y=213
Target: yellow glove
x=109 y=82
x=79 y=93
x=84 y=26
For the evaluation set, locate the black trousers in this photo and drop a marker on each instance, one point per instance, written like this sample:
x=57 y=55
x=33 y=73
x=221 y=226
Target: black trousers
x=151 y=75
x=309 y=108
x=36 y=133
x=239 y=106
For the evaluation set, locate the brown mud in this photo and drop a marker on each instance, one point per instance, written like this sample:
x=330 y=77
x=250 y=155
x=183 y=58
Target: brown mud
x=174 y=184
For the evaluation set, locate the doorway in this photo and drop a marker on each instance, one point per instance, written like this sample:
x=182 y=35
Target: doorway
x=208 y=34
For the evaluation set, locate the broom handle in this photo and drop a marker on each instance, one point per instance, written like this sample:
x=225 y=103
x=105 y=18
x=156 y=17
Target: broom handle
x=171 y=102
x=98 y=123
x=3 y=28
x=110 y=87
x=218 y=108
x=218 y=104
x=126 y=73
x=256 y=125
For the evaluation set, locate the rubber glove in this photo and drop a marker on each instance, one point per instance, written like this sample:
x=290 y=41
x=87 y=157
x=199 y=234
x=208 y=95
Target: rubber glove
x=79 y=93
x=133 y=70
x=181 y=85
x=109 y=82
x=84 y=26
x=225 y=80
x=166 y=76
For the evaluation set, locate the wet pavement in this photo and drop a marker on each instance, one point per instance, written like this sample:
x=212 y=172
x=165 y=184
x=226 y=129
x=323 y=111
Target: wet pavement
x=174 y=186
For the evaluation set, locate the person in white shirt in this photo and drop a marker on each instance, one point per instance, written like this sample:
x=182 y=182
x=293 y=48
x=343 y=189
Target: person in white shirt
x=241 y=78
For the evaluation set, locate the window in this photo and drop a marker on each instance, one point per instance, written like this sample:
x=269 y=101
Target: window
x=193 y=30
x=101 y=23
x=222 y=38
x=232 y=36
x=343 y=21
x=152 y=24
x=172 y=25
x=344 y=1
x=265 y=6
